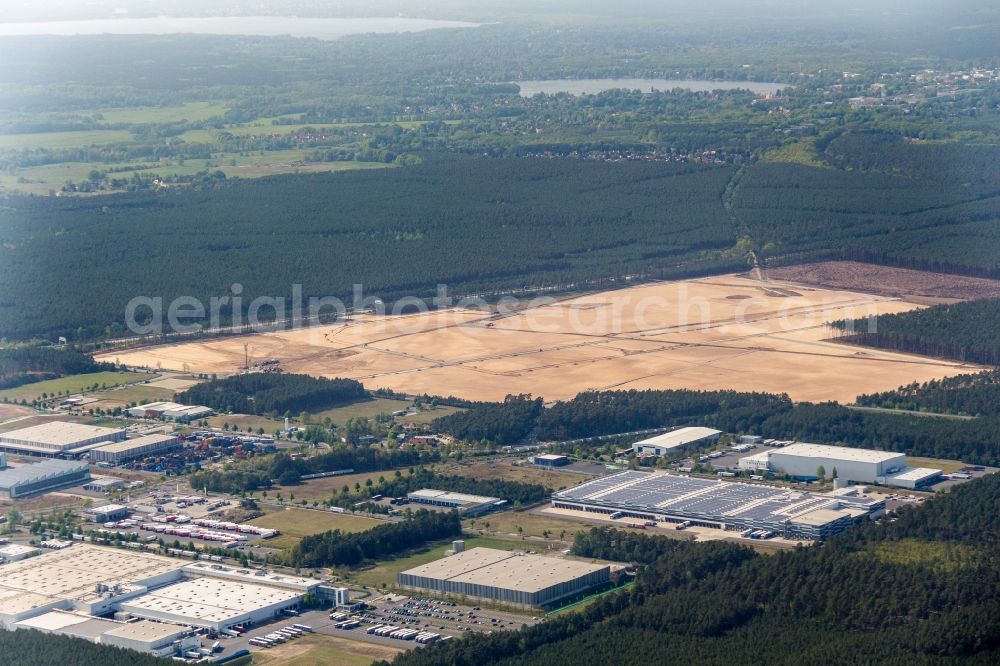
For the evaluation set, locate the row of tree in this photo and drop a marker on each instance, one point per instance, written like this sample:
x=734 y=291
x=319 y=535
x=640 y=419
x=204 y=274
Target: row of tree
x=273 y=393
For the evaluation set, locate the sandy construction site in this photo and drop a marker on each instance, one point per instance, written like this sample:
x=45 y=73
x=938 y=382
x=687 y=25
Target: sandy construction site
x=723 y=332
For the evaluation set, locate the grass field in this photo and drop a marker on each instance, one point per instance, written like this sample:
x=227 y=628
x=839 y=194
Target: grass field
x=946 y=466
x=364 y=409
x=533 y=524
x=244 y=421
x=322 y=650
x=320 y=489
x=941 y=556
x=297 y=523
x=383 y=574
x=190 y=111
x=505 y=469
x=72 y=384
x=80 y=139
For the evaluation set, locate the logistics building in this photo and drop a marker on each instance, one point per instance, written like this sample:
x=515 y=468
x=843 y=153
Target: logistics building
x=107 y=513
x=551 y=460
x=171 y=411
x=803 y=461
x=98 y=581
x=117 y=452
x=467 y=505
x=718 y=504
x=675 y=439
x=58 y=438
x=40 y=477
x=506 y=577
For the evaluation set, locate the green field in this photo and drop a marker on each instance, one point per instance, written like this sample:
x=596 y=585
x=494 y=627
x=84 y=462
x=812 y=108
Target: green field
x=319 y=649
x=297 y=523
x=191 y=112
x=365 y=409
x=80 y=139
x=72 y=384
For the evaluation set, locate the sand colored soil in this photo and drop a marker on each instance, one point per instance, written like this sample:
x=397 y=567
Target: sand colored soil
x=725 y=332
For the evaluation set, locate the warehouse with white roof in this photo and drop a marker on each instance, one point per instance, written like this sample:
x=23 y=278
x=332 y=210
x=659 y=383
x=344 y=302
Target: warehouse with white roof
x=675 y=439
x=58 y=438
x=42 y=476
x=803 y=461
x=148 y=445
x=504 y=576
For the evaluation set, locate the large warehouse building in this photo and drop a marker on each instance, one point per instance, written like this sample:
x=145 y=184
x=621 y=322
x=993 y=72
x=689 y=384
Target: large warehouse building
x=171 y=411
x=40 y=477
x=803 y=461
x=58 y=438
x=467 y=505
x=117 y=452
x=507 y=577
x=675 y=439
x=102 y=582
x=722 y=505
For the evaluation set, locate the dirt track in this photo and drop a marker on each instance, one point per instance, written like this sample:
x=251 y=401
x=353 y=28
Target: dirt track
x=724 y=332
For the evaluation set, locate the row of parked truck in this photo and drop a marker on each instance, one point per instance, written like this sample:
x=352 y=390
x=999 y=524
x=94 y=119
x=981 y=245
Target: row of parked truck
x=392 y=631
x=291 y=632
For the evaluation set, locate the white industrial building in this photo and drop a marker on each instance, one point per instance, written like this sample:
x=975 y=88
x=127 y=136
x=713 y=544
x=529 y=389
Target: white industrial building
x=171 y=594
x=803 y=461
x=106 y=513
x=14 y=552
x=504 y=576
x=58 y=438
x=171 y=411
x=117 y=452
x=40 y=477
x=675 y=439
x=467 y=505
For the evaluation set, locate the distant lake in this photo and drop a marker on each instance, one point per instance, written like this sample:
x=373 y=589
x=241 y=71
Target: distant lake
x=268 y=26
x=593 y=86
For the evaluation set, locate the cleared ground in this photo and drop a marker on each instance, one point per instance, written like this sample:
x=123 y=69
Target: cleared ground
x=556 y=479
x=719 y=332
x=297 y=523
x=322 y=650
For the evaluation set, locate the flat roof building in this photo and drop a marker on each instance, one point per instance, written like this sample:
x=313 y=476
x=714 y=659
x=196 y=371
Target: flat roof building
x=212 y=603
x=171 y=411
x=468 y=505
x=675 y=439
x=803 y=461
x=719 y=504
x=13 y=552
x=104 y=485
x=40 y=477
x=106 y=513
x=139 y=447
x=57 y=438
x=154 y=638
x=507 y=577
x=551 y=460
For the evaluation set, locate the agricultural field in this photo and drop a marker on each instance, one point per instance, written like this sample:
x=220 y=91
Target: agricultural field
x=297 y=523
x=141 y=115
x=709 y=333
x=80 y=139
x=246 y=422
x=71 y=384
x=322 y=650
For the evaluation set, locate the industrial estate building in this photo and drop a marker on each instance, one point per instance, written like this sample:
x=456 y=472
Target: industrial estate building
x=504 y=576
x=719 y=504
x=59 y=590
x=551 y=460
x=803 y=461
x=117 y=452
x=468 y=505
x=58 y=438
x=171 y=411
x=675 y=439
x=40 y=477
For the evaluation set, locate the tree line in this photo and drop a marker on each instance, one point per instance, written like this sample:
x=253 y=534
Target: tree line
x=273 y=393
x=26 y=364
x=337 y=548
x=975 y=394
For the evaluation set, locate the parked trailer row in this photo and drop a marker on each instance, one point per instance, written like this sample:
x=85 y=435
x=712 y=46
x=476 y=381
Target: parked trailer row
x=235 y=527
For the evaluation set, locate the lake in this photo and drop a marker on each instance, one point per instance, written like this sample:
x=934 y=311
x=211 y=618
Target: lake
x=593 y=86
x=268 y=26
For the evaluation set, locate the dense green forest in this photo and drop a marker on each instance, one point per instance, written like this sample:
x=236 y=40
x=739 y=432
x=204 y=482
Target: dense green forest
x=273 y=393
x=922 y=589
x=501 y=423
x=25 y=364
x=336 y=548
x=596 y=413
x=26 y=647
x=975 y=395
x=964 y=331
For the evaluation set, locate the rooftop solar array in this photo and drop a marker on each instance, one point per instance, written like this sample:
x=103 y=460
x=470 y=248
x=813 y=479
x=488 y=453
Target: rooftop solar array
x=722 y=501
